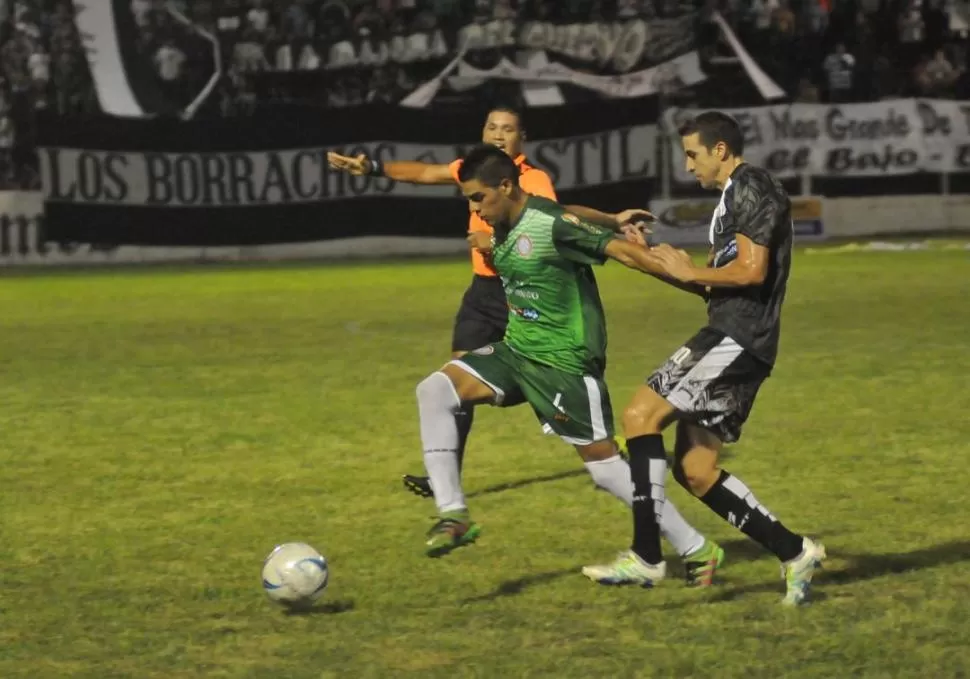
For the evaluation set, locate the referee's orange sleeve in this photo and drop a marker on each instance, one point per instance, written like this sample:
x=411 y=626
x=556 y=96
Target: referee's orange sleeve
x=453 y=168
x=538 y=183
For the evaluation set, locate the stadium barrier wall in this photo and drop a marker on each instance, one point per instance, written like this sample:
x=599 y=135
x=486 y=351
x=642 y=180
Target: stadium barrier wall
x=23 y=242
x=683 y=222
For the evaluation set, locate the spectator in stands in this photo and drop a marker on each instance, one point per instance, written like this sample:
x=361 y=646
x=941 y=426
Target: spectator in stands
x=382 y=89
x=258 y=18
x=369 y=23
x=169 y=61
x=783 y=19
x=504 y=10
x=14 y=57
x=142 y=10
x=296 y=21
x=27 y=19
x=39 y=67
x=936 y=76
x=912 y=33
x=229 y=19
x=249 y=53
x=839 y=67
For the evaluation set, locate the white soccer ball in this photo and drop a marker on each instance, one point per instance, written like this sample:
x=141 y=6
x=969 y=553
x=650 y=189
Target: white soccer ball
x=295 y=575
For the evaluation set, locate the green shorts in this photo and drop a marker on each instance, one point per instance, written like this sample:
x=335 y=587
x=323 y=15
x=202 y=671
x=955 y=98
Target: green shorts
x=576 y=407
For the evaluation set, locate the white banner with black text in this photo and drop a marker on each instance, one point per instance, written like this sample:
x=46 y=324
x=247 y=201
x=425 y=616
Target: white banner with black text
x=268 y=181
x=895 y=137
x=254 y=178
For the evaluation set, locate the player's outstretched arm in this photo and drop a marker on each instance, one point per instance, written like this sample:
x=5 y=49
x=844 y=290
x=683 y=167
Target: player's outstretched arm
x=408 y=171
x=615 y=221
x=651 y=261
x=586 y=243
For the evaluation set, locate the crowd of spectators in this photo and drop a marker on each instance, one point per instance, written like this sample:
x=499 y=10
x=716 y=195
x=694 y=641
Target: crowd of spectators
x=817 y=50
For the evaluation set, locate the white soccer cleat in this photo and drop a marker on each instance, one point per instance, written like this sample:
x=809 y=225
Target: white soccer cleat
x=798 y=573
x=627 y=569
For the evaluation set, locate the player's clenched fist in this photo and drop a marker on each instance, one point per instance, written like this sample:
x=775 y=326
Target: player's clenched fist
x=480 y=240
x=359 y=165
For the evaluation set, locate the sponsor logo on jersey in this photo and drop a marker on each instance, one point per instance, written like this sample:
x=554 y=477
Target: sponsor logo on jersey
x=527 y=313
x=487 y=350
x=726 y=254
x=527 y=294
x=523 y=245
x=585 y=226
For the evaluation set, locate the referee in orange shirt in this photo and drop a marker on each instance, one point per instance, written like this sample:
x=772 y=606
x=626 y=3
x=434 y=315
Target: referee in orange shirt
x=483 y=313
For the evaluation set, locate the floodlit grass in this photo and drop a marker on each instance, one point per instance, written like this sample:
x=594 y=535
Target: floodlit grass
x=163 y=429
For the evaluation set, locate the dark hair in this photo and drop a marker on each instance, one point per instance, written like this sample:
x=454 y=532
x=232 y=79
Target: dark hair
x=508 y=109
x=489 y=165
x=713 y=127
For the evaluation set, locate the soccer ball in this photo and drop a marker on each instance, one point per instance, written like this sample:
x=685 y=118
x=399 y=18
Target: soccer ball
x=295 y=575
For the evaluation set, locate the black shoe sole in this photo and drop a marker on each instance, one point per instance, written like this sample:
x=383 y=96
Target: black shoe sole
x=417 y=485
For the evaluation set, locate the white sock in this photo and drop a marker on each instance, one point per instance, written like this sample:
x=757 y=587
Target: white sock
x=613 y=475
x=682 y=536
x=442 y=466
x=437 y=404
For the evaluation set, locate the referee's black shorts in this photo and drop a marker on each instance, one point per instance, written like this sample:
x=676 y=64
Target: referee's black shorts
x=482 y=316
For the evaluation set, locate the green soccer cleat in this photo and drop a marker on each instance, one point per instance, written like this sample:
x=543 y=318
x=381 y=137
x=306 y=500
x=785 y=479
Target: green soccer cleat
x=452 y=530
x=627 y=569
x=700 y=566
x=798 y=573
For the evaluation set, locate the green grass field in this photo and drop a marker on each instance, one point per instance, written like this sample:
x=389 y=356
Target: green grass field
x=163 y=429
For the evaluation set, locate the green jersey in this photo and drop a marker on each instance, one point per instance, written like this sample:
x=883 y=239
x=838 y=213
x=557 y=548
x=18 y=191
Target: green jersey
x=555 y=314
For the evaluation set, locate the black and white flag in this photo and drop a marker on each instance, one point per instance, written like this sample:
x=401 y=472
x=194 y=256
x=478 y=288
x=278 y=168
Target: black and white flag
x=141 y=71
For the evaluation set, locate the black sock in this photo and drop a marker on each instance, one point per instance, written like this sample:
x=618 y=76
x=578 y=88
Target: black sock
x=464 y=419
x=735 y=503
x=648 y=467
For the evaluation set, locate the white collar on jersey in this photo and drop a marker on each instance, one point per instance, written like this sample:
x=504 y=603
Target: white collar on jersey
x=718 y=212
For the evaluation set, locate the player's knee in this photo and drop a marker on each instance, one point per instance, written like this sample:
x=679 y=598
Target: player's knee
x=437 y=390
x=639 y=419
x=697 y=473
x=647 y=413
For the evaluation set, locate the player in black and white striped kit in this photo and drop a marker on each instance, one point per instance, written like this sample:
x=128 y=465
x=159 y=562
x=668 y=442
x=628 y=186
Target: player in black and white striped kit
x=708 y=386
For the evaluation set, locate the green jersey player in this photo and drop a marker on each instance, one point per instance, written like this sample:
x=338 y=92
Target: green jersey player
x=553 y=356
